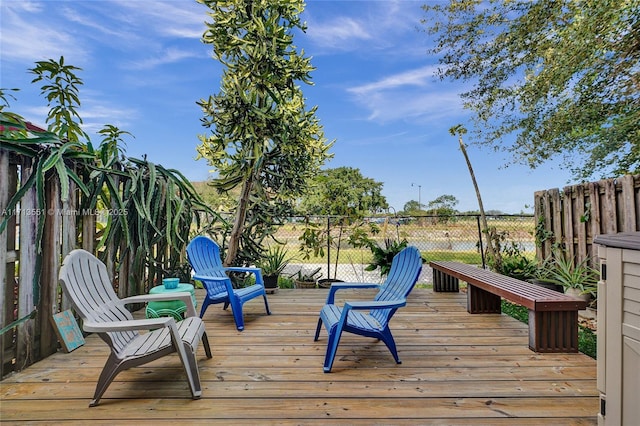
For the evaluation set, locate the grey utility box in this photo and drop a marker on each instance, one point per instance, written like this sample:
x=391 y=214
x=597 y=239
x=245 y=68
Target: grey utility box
x=619 y=328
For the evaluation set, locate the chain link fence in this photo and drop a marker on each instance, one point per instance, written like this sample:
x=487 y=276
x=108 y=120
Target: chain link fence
x=456 y=237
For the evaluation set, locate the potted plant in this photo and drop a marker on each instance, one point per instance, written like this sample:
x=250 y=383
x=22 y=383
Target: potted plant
x=577 y=279
x=272 y=264
x=383 y=256
x=304 y=279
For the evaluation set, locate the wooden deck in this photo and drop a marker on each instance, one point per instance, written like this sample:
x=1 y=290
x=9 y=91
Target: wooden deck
x=457 y=369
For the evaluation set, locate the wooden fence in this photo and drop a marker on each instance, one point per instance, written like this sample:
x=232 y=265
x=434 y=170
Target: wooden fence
x=29 y=300
x=570 y=218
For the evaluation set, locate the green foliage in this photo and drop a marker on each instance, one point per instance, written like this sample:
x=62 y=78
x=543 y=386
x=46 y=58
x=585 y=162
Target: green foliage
x=346 y=197
x=587 y=342
x=316 y=236
x=313 y=240
x=563 y=270
x=159 y=207
x=502 y=248
x=412 y=207
x=443 y=205
x=562 y=76
x=307 y=276
x=542 y=234
x=383 y=256
x=265 y=142
x=285 y=282
x=62 y=93
x=218 y=201
x=274 y=260
x=50 y=150
x=471 y=258
x=515 y=311
x=515 y=263
x=180 y=270
x=4 y=97
x=343 y=191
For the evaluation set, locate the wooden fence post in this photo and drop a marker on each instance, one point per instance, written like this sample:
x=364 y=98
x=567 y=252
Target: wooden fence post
x=25 y=342
x=50 y=254
x=8 y=257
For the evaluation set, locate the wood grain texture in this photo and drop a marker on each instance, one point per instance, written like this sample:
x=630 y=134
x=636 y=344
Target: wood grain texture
x=457 y=368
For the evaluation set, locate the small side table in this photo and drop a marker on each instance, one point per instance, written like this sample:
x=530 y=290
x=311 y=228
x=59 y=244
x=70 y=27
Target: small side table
x=174 y=308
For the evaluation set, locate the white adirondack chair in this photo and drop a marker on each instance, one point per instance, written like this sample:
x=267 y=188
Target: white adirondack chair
x=84 y=279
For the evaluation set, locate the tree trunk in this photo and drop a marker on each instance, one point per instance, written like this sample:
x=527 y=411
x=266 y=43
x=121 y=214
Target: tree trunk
x=483 y=218
x=238 y=224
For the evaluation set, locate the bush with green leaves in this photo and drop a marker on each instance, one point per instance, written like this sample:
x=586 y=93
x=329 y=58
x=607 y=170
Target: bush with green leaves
x=515 y=262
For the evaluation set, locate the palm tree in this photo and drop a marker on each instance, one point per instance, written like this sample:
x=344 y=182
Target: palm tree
x=494 y=254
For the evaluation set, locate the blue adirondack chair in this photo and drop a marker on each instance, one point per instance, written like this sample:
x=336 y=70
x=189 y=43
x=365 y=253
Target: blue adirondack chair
x=204 y=257
x=370 y=318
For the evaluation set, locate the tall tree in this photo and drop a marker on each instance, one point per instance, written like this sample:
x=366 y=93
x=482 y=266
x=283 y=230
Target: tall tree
x=444 y=205
x=494 y=254
x=562 y=76
x=264 y=140
x=411 y=207
x=343 y=191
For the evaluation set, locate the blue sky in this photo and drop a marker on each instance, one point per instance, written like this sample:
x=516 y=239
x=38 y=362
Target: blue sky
x=144 y=68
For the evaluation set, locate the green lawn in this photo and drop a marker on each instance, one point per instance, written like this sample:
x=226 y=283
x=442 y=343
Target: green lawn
x=364 y=256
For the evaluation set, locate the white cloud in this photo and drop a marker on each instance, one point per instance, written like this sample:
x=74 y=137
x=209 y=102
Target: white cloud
x=98 y=26
x=418 y=77
x=167 y=56
x=96 y=114
x=28 y=36
x=339 y=33
x=407 y=96
x=365 y=26
x=182 y=19
x=25 y=5
x=409 y=106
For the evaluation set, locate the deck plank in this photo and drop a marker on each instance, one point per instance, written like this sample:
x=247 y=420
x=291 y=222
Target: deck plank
x=457 y=368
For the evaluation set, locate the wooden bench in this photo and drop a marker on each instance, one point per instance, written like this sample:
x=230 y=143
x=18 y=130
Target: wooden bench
x=553 y=316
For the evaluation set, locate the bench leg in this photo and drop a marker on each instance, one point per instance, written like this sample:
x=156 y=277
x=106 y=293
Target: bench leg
x=482 y=302
x=445 y=283
x=553 y=331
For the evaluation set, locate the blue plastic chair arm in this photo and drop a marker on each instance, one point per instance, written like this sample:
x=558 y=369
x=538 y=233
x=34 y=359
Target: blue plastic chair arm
x=342 y=286
x=386 y=304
